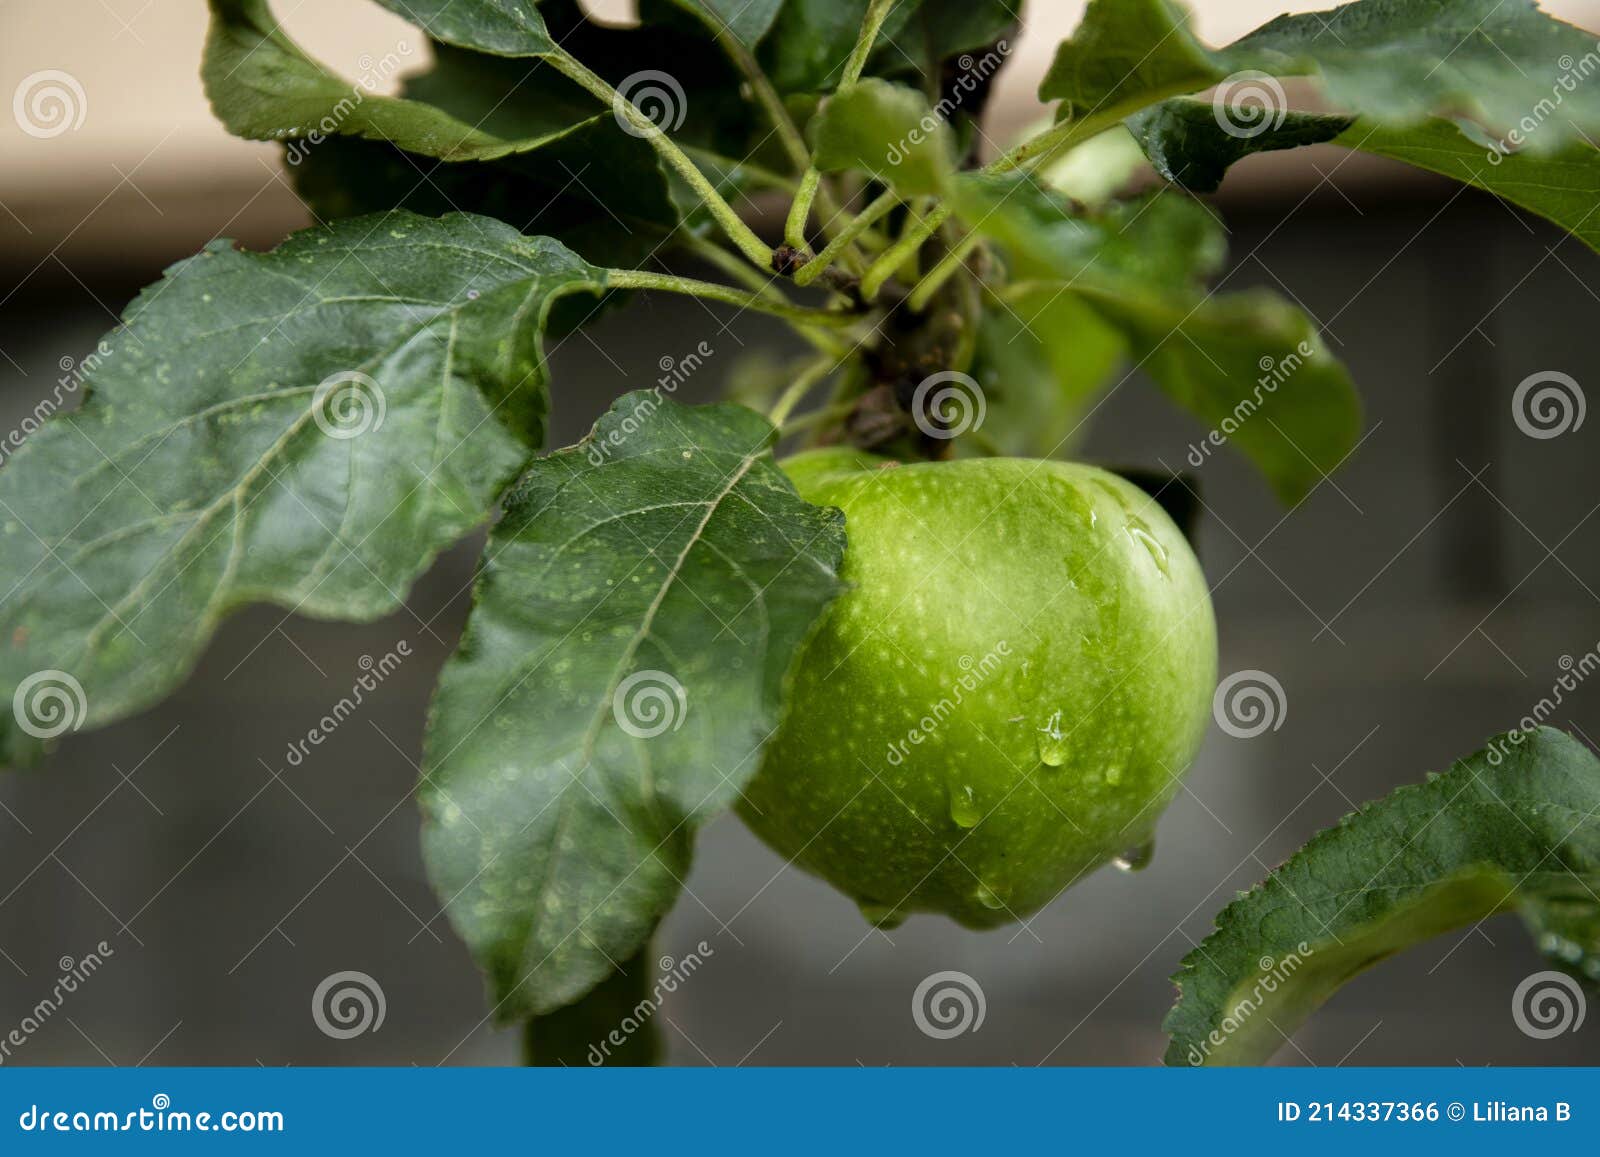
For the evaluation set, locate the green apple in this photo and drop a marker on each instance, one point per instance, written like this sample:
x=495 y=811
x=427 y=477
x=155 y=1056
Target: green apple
x=1006 y=697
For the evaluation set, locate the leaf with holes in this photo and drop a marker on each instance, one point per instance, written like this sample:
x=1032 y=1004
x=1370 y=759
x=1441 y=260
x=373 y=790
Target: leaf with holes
x=635 y=618
x=1513 y=828
x=307 y=427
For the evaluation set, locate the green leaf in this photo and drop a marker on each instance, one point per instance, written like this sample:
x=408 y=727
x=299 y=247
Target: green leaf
x=1185 y=142
x=1563 y=187
x=307 y=427
x=812 y=39
x=503 y=27
x=635 y=618
x=888 y=132
x=1513 y=828
x=1250 y=365
x=746 y=20
x=621 y=1008
x=596 y=189
x=263 y=87
x=1124 y=55
x=1042 y=355
x=1502 y=64
x=944 y=32
x=1189 y=144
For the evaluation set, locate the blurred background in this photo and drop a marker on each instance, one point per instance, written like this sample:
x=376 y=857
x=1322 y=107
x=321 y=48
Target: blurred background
x=1417 y=603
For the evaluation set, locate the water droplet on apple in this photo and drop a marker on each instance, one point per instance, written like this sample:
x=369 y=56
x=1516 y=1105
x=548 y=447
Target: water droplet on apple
x=1136 y=858
x=1144 y=538
x=988 y=897
x=964 y=808
x=1052 y=742
x=882 y=916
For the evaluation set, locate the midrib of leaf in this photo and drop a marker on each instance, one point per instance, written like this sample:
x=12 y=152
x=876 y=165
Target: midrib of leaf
x=619 y=672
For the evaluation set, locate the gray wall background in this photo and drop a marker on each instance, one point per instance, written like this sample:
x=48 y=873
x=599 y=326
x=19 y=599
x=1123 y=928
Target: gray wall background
x=1408 y=611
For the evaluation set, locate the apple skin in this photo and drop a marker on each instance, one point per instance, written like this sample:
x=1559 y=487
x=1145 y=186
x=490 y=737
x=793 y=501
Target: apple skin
x=1005 y=699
